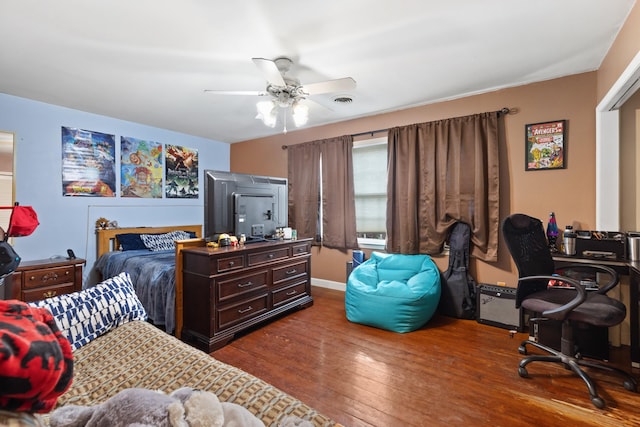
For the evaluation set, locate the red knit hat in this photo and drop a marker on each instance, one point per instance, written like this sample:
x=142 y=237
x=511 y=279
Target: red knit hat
x=36 y=363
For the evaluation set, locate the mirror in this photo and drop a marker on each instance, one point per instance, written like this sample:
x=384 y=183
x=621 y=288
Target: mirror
x=7 y=187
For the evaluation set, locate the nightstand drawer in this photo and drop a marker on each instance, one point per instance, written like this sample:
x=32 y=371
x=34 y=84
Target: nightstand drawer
x=47 y=292
x=48 y=277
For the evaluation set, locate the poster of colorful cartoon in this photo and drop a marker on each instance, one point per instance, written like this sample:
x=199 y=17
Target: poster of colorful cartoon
x=181 y=172
x=140 y=168
x=88 y=163
x=546 y=145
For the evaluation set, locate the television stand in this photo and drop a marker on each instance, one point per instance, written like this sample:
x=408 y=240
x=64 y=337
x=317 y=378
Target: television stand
x=229 y=289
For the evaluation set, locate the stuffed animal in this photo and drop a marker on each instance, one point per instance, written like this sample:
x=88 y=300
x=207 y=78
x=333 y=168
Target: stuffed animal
x=185 y=407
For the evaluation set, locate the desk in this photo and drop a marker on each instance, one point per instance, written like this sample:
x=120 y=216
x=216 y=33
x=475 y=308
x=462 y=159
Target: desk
x=624 y=267
x=634 y=297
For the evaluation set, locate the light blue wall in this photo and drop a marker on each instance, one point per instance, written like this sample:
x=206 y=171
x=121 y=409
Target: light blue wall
x=69 y=222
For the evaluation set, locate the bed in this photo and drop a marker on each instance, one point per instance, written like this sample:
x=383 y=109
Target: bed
x=157 y=275
x=114 y=348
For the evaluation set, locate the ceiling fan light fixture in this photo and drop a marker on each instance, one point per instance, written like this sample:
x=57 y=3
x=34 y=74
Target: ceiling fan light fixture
x=267 y=112
x=300 y=114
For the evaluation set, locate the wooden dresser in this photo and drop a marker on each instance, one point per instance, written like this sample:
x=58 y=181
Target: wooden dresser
x=45 y=278
x=227 y=290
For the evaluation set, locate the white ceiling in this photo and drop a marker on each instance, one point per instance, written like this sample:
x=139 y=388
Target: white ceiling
x=148 y=61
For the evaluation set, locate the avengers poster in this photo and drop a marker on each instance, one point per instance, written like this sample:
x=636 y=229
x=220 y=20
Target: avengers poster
x=181 y=172
x=88 y=163
x=546 y=145
x=140 y=168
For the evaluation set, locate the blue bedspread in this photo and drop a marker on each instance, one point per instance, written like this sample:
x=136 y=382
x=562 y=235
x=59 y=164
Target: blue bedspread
x=153 y=276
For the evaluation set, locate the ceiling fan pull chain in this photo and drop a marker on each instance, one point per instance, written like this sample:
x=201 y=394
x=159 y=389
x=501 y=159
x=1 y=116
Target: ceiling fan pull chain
x=284 y=120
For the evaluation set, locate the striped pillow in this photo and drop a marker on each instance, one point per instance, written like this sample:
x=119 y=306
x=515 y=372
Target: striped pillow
x=163 y=242
x=85 y=315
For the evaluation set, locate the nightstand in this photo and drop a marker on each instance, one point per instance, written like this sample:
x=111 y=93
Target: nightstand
x=45 y=278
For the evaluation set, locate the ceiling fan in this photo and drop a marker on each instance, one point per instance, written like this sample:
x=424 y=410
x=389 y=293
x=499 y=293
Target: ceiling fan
x=286 y=92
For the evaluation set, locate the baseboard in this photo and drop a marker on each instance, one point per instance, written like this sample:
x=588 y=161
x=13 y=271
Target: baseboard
x=330 y=284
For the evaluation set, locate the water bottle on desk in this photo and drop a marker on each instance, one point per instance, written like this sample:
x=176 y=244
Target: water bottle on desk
x=569 y=240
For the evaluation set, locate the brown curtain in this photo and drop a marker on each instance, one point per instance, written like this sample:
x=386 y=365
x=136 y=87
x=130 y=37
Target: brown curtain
x=303 y=167
x=337 y=201
x=439 y=173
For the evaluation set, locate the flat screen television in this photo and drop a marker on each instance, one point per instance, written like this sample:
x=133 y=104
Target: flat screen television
x=246 y=204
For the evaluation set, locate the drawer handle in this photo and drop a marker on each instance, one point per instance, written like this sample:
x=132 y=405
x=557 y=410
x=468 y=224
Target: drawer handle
x=270 y=256
x=49 y=294
x=244 y=285
x=293 y=292
x=232 y=263
x=46 y=277
x=294 y=271
x=246 y=310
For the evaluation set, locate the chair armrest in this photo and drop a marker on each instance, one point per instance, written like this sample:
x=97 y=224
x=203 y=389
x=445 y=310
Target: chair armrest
x=581 y=294
x=612 y=283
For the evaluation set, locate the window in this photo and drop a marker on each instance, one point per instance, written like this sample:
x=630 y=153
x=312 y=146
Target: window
x=370 y=188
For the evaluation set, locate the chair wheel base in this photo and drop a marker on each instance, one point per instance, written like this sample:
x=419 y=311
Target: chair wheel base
x=630 y=385
x=523 y=372
x=597 y=401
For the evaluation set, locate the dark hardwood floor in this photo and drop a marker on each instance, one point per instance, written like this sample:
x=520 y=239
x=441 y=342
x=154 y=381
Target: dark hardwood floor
x=449 y=373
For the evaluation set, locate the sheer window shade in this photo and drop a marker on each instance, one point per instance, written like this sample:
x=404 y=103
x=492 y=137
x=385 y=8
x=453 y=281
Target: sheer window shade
x=370 y=187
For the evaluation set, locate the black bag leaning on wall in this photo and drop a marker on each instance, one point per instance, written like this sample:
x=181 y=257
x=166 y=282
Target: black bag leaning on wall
x=458 y=297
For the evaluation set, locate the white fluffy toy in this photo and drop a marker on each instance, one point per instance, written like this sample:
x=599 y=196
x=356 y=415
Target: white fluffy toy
x=137 y=407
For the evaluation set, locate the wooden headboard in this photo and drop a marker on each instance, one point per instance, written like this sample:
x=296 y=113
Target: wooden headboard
x=107 y=242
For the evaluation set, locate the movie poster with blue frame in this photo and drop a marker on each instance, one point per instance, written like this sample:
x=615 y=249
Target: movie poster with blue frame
x=88 y=163
x=181 y=172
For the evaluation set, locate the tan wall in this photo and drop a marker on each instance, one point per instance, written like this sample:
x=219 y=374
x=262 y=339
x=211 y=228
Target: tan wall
x=629 y=158
x=570 y=193
x=622 y=51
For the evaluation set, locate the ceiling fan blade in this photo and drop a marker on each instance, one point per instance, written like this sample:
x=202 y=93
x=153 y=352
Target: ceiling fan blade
x=270 y=71
x=337 y=85
x=237 y=92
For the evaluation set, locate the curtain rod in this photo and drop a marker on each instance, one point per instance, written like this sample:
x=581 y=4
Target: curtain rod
x=503 y=110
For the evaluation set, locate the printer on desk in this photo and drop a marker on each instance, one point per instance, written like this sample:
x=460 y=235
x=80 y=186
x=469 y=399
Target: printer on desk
x=611 y=245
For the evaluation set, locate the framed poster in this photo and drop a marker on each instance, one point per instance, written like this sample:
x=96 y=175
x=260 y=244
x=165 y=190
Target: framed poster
x=140 y=168
x=181 y=165
x=88 y=163
x=546 y=145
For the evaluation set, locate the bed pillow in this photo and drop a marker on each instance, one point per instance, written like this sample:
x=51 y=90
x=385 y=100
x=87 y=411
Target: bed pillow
x=163 y=242
x=130 y=242
x=85 y=315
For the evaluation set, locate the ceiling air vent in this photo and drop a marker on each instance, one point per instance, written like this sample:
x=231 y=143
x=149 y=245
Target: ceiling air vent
x=343 y=99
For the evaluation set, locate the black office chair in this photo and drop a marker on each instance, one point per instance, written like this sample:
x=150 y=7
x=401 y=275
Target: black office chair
x=527 y=243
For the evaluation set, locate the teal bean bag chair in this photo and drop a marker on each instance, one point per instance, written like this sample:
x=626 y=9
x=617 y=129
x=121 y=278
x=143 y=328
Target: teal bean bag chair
x=395 y=292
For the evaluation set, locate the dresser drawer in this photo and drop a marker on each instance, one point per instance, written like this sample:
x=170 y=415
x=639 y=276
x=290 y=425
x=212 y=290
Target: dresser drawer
x=47 y=292
x=290 y=271
x=48 y=277
x=240 y=285
x=230 y=263
x=302 y=248
x=268 y=256
x=289 y=293
x=236 y=313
